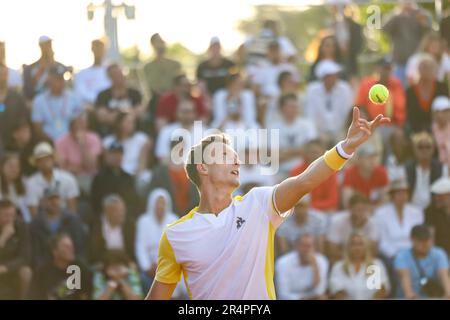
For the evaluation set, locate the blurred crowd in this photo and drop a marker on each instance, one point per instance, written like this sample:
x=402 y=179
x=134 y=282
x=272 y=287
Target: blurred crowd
x=87 y=178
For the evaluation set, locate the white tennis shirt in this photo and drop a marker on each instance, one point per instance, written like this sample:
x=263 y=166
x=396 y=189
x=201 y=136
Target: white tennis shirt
x=228 y=256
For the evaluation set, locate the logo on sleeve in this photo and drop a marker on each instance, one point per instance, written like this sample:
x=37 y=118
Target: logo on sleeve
x=239 y=222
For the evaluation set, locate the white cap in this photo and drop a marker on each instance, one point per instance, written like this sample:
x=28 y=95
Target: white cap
x=44 y=38
x=440 y=103
x=326 y=68
x=41 y=150
x=441 y=186
x=214 y=40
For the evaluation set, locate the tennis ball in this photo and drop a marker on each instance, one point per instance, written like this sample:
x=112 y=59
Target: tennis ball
x=378 y=94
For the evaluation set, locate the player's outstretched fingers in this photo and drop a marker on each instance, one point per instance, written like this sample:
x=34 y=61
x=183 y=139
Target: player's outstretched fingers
x=355 y=115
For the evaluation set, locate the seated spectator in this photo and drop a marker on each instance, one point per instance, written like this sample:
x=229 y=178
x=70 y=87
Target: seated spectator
x=213 y=72
x=118 y=280
x=53 y=276
x=12 y=184
x=395 y=220
x=169 y=103
x=89 y=82
x=399 y=153
x=423 y=170
x=12 y=106
x=79 y=151
x=302 y=274
x=114 y=231
x=441 y=128
x=119 y=97
x=150 y=228
x=328 y=50
x=422 y=269
x=431 y=44
x=366 y=176
x=172 y=177
x=48 y=176
x=136 y=144
x=112 y=179
x=15 y=273
x=349 y=277
x=51 y=220
x=326 y=196
x=53 y=109
x=438 y=213
x=304 y=221
x=421 y=95
x=234 y=98
x=395 y=107
x=294 y=132
x=265 y=76
x=183 y=128
x=356 y=220
x=328 y=101
x=35 y=75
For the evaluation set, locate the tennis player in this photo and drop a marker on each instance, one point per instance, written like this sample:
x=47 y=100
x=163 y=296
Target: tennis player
x=224 y=247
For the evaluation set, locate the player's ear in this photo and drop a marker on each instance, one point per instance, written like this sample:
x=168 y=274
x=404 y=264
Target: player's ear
x=202 y=169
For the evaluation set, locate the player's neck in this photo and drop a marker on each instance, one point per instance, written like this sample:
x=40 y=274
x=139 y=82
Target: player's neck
x=213 y=200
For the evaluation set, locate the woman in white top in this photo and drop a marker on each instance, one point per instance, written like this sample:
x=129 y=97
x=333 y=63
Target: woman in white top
x=358 y=276
x=234 y=99
x=136 y=144
x=431 y=45
x=12 y=185
x=149 y=229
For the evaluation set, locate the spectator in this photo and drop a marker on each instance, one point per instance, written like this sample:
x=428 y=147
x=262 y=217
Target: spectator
x=366 y=176
x=421 y=95
x=422 y=269
x=51 y=220
x=266 y=75
x=119 y=97
x=14 y=77
x=136 y=144
x=53 y=108
x=118 y=279
x=113 y=231
x=51 y=284
x=302 y=274
x=328 y=101
x=304 y=221
x=441 y=128
x=406 y=27
x=294 y=132
x=349 y=277
x=35 y=74
x=79 y=151
x=400 y=152
x=395 y=220
x=433 y=45
x=112 y=179
x=213 y=72
x=150 y=227
x=438 y=213
x=328 y=50
x=423 y=170
x=15 y=273
x=89 y=82
x=49 y=176
x=325 y=197
x=356 y=220
x=395 y=107
x=12 y=184
x=161 y=71
x=234 y=98
x=168 y=105
x=12 y=105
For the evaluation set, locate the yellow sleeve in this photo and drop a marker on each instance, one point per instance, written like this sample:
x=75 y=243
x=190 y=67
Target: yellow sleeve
x=168 y=270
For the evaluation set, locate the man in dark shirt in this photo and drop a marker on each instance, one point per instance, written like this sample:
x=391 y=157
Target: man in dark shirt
x=63 y=277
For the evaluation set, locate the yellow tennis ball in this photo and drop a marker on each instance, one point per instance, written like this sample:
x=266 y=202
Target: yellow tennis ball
x=378 y=94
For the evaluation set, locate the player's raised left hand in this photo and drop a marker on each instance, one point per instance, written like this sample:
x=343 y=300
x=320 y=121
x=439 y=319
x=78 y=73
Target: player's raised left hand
x=360 y=130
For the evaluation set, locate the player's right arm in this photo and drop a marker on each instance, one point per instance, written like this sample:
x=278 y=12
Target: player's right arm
x=168 y=272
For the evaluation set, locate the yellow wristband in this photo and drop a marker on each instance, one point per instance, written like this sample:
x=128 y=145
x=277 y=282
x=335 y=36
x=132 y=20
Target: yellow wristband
x=334 y=160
